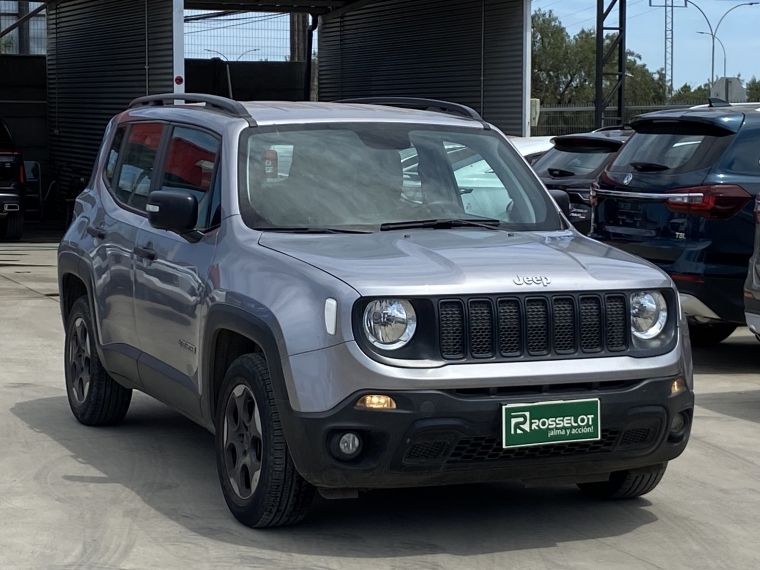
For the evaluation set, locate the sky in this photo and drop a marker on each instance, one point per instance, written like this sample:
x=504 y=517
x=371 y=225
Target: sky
x=739 y=32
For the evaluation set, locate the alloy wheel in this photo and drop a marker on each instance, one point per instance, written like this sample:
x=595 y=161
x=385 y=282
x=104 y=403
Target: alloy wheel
x=242 y=441
x=79 y=361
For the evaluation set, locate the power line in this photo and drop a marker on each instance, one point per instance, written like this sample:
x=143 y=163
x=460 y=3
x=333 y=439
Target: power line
x=248 y=21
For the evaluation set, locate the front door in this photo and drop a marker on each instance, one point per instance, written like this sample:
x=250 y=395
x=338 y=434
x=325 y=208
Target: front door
x=171 y=274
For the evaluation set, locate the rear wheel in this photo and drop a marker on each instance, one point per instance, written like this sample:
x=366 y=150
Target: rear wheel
x=260 y=483
x=95 y=398
x=625 y=485
x=710 y=334
x=12 y=227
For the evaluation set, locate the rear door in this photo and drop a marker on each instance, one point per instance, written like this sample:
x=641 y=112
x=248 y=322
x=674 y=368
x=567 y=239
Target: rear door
x=663 y=199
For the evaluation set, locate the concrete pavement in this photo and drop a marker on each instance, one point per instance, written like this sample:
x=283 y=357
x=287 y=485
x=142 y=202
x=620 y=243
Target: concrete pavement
x=145 y=494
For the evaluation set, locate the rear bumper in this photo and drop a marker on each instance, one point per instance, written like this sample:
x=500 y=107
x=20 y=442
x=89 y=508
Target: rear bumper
x=722 y=297
x=446 y=437
x=10 y=202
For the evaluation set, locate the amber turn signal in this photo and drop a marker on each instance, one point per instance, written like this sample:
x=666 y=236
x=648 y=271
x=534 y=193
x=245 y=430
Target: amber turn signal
x=376 y=402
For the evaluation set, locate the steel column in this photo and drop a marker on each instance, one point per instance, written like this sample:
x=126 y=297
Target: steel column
x=603 y=56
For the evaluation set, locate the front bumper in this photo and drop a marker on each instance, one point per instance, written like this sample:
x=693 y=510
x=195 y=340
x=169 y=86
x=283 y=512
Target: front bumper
x=438 y=437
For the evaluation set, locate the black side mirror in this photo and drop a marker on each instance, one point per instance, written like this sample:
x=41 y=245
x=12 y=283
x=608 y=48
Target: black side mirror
x=563 y=201
x=173 y=211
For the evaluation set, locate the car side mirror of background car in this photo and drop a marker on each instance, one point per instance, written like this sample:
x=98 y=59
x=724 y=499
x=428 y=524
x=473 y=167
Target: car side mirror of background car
x=562 y=199
x=173 y=211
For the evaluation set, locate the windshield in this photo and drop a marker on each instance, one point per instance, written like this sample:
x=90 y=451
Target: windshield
x=364 y=176
x=6 y=141
x=558 y=163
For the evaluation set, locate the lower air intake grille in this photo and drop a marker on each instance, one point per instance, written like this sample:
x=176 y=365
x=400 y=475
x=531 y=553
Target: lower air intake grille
x=488 y=448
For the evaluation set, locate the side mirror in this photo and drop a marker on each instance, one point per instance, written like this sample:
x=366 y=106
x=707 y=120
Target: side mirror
x=562 y=199
x=173 y=211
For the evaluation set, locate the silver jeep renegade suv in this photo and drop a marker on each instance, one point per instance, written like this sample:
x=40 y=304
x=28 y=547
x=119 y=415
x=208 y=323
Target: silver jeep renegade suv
x=362 y=295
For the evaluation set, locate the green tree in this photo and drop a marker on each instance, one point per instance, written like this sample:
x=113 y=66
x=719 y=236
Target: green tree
x=6 y=44
x=564 y=67
x=753 y=89
x=686 y=95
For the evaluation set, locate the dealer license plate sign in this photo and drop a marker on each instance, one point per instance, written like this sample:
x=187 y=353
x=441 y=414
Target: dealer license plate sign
x=526 y=425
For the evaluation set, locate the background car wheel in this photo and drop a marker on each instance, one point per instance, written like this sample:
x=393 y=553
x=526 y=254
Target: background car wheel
x=95 y=398
x=710 y=334
x=624 y=485
x=261 y=485
x=11 y=227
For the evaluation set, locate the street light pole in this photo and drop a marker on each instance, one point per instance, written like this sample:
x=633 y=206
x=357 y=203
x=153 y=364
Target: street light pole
x=713 y=32
x=227 y=65
x=245 y=52
x=725 y=72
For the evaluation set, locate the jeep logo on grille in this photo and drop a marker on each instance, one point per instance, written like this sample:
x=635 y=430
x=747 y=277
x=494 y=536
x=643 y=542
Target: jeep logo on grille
x=539 y=280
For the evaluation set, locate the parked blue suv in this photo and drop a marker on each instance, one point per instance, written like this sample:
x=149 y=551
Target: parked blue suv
x=680 y=194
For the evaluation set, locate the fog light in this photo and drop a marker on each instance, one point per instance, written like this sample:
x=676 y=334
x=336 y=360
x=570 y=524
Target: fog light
x=376 y=402
x=346 y=446
x=677 y=424
x=677 y=386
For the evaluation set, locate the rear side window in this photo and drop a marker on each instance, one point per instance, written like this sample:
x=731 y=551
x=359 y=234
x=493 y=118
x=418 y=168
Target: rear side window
x=113 y=154
x=135 y=174
x=190 y=167
x=670 y=152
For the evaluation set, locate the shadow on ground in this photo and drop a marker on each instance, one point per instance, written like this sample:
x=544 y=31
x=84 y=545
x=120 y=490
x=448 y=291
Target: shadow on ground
x=739 y=355
x=741 y=405
x=168 y=462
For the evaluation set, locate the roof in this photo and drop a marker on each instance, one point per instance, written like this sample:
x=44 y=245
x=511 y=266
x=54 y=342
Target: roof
x=728 y=118
x=279 y=112
x=316 y=7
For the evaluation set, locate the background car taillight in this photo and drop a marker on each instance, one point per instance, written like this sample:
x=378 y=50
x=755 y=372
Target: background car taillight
x=22 y=174
x=718 y=202
x=757 y=208
x=270 y=163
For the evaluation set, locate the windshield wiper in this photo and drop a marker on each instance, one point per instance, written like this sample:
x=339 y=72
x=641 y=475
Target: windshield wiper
x=649 y=166
x=441 y=224
x=314 y=230
x=560 y=172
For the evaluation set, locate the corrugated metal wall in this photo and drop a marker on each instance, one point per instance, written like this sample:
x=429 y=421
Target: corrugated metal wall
x=97 y=56
x=467 y=51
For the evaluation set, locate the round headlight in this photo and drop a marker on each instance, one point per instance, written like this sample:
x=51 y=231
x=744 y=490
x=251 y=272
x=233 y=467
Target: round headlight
x=389 y=323
x=649 y=313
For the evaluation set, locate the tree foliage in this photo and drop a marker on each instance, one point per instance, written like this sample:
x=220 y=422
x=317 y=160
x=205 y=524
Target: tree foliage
x=564 y=66
x=753 y=89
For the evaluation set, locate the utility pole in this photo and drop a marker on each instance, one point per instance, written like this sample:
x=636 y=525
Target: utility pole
x=669 y=6
x=298 y=28
x=23 y=30
x=602 y=100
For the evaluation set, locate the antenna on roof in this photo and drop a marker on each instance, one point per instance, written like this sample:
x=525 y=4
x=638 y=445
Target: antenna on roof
x=716 y=102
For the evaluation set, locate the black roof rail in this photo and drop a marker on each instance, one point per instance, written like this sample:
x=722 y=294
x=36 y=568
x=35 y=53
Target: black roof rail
x=227 y=106
x=620 y=127
x=717 y=102
x=422 y=104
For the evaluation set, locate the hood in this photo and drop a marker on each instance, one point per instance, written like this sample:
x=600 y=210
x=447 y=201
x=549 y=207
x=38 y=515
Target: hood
x=464 y=261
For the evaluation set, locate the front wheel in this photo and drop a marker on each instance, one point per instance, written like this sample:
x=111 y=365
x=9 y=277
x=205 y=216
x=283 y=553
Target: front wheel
x=710 y=334
x=625 y=485
x=260 y=483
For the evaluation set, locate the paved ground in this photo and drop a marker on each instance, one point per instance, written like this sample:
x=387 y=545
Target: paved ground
x=145 y=494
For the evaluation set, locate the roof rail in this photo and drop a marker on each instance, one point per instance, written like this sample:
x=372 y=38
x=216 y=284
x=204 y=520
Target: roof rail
x=620 y=127
x=228 y=106
x=717 y=102
x=421 y=103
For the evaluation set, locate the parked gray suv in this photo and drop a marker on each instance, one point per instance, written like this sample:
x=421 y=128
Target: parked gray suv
x=344 y=318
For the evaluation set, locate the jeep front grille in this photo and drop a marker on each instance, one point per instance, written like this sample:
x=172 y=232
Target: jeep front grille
x=533 y=326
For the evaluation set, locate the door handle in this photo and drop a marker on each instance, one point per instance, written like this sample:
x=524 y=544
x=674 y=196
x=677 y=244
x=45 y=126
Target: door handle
x=99 y=233
x=146 y=253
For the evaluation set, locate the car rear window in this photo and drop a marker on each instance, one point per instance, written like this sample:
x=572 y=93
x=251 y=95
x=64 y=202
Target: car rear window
x=580 y=162
x=671 y=152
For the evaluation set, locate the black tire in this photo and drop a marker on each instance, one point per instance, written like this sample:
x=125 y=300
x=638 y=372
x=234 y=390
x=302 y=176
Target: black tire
x=275 y=494
x=95 y=398
x=12 y=227
x=625 y=485
x=710 y=334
